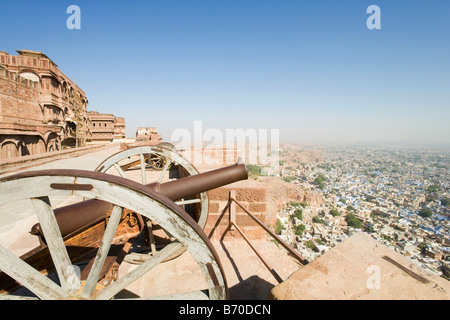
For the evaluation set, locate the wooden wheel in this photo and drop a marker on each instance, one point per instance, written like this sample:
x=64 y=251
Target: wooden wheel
x=40 y=186
x=162 y=162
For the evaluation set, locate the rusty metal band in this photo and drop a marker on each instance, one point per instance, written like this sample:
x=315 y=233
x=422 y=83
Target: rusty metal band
x=72 y=186
x=409 y=272
x=212 y=274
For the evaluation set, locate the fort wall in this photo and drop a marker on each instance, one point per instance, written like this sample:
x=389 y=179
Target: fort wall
x=253 y=199
x=41 y=109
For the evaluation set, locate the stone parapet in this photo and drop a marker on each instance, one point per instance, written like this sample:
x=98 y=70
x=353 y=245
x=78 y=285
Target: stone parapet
x=361 y=268
x=37 y=159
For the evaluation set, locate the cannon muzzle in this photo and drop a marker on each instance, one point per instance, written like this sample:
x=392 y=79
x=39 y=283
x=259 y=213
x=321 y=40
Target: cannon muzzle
x=81 y=215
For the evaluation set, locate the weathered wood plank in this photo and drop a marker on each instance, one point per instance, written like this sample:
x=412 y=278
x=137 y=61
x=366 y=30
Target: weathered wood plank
x=164 y=170
x=5 y=297
x=102 y=252
x=143 y=174
x=29 y=277
x=66 y=272
x=119 y=170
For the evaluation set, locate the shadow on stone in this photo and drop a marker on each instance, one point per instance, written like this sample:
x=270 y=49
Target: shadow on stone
x=253 y=288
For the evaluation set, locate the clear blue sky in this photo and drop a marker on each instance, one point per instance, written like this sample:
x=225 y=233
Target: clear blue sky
x=309 y=68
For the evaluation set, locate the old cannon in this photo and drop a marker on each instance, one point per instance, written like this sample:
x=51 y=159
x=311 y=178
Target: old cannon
x=97 y=233
x=167 y=163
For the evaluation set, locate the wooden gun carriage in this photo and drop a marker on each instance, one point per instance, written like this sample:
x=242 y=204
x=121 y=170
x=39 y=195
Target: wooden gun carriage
x=98 y=232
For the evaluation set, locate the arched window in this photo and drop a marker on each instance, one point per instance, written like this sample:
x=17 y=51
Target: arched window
x=9 y=150
x=30 y=76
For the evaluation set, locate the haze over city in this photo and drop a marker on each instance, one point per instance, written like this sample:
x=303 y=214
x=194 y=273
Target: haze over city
x=313 y=70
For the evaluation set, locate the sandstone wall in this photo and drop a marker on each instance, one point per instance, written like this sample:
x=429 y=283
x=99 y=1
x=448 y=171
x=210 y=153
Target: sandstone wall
x=18 y=100
x=220 y=156
x=253 y=199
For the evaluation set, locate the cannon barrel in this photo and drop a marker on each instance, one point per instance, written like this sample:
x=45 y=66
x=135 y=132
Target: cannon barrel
x=81 y=215
x=189 y=186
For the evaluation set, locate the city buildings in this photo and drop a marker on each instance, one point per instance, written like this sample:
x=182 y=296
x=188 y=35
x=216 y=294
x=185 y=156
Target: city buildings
x=398 y=195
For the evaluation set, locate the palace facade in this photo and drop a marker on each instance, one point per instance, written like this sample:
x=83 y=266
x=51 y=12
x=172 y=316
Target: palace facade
x=41 y=109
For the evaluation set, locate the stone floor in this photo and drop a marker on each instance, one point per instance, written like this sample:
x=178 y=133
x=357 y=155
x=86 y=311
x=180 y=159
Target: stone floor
x=246 y=276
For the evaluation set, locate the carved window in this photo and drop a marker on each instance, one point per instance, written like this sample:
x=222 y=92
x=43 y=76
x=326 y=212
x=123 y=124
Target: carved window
x=30 y=76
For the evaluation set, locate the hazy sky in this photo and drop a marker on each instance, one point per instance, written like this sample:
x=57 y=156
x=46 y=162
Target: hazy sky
x=311 y=69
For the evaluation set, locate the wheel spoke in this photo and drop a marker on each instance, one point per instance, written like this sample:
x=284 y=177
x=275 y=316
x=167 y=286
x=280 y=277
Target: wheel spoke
x=66 y=272
x=102 y=252
x=29 y=277
x=119 y=170
x=143 y=174
x=166 y=166
x=148 y=265
x=183 y=202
